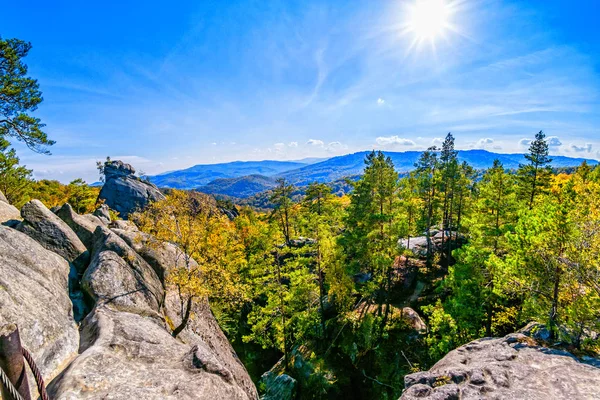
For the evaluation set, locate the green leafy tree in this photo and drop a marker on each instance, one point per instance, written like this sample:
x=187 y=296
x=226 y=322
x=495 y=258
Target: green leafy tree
x=19 y=96
x=82 y=197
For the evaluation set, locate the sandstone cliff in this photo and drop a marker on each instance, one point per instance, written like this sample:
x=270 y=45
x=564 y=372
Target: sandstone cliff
x=123 y=347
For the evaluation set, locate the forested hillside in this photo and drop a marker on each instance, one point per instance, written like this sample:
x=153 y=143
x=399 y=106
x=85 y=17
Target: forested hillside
x=325 y=281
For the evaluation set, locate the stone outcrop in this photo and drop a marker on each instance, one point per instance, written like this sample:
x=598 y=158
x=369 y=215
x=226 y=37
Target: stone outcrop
x=124 y=348
x=103 y=212
x=161 y=256
x=120 y=277
x=126 y=356
x=123 y=191
x=55 y=235
x=34 y=295
x=513 y=367
x=204 y=332
x=9 y=214
x=437 y=240
x=126 y=331
x=83 y=225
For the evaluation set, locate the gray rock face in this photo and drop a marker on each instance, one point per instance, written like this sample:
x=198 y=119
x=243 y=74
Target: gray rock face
x=127 y=356
x=9 y=214
x=161 y=256
x=124 y=192
x=204 y=331
x=83 y=225
x=34 y=295
x=120 y=278
x=413 y=319
x=513 y=367
x=51 y=232
x=3 y=198
x=103 y=213
x=124 y=225
x=418 y=245
x=126 y=332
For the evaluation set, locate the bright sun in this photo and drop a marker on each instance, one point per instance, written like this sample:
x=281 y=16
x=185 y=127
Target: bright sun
x=429 y=19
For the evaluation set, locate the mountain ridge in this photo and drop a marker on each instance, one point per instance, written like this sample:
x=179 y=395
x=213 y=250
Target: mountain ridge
x=246 y=178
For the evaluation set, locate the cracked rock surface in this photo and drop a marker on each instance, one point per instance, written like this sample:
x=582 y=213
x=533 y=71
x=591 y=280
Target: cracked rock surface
x=513 y=367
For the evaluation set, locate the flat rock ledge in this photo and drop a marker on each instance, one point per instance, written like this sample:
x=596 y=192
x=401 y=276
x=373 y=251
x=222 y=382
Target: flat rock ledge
x=513 y=367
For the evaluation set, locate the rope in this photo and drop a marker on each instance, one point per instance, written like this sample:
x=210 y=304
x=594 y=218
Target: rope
x=9 y=386
x=37 y=375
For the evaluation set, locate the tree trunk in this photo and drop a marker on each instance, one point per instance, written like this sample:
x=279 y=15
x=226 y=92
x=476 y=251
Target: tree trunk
x=185 y=319
x=554 y=310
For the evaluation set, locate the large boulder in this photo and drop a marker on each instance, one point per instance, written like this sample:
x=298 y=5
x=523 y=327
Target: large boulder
x=203 y=331
x=438 y=242
x=34 y=296
x=53 y=233
x=103 y=212
x=127 y=356
x=124 y=192
x=83 y=225
x=121 y=278
x=3 y=198
x=9 y=214
x=513 y=367
x=162 y=256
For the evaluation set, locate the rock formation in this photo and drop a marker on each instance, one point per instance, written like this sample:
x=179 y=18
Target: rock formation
x=51 y=232
x=418 y=244
x=124 y=348
x=83 y=225
x=120 y=277
x=9 y=214
x=34 y=295
x=513 y=367
x=123 y=191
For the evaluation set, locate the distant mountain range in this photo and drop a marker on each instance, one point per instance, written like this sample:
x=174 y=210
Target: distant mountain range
x=243 y=179
x=200 y=175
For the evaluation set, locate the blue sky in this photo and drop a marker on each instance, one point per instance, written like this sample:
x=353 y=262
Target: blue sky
x=166 y=85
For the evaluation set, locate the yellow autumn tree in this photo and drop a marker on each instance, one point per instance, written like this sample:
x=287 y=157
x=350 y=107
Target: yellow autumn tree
x=211 y=253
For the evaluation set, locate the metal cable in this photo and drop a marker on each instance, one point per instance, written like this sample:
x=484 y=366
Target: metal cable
x=37 y=374
x=9 y=386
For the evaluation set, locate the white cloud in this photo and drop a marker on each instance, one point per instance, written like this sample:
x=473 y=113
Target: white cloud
x=579 y=149
x=380 y=101
x=214 y=143
x=483 y=142
x=553 y=141
x=525 y=142
x=437 y=140
x=293 y=144
x=334 y=147
x=279 y=146
x=315 y=142
x=394 y=140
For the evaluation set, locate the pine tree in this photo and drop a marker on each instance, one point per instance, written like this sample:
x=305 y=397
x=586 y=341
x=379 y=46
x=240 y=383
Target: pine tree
x=449 y=172
x=372 y=229
x=19 y=94
x=15 y=180
x=282 y=199
x=535 y=176
x=426 y=172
